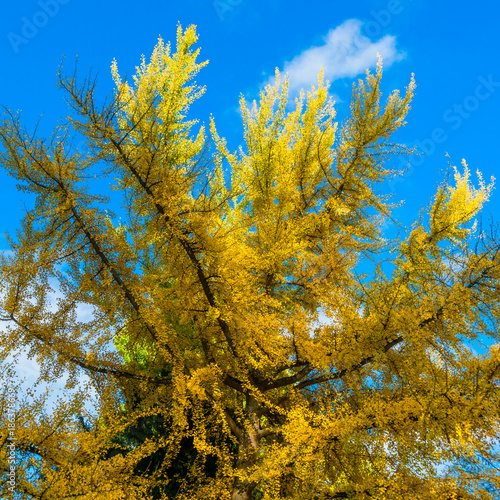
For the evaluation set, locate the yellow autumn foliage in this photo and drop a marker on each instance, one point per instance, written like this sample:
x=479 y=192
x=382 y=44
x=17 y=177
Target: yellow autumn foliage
x=236 y=350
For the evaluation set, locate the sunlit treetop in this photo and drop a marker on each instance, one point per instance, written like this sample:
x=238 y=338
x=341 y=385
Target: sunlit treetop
x=231 y=326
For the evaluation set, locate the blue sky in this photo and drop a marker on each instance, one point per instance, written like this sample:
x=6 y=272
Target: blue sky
x=452 y=47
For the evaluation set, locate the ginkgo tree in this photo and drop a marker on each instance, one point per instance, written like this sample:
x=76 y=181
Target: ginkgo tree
x=229 y=307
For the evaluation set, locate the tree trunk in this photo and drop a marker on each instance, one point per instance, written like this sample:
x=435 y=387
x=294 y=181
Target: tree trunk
x=247 y=452
x=242 y=489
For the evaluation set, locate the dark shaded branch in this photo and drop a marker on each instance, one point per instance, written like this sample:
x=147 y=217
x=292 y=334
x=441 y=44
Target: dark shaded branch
x=281 y=382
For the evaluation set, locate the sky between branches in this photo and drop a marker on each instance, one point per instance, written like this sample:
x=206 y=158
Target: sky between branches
x=451 y=47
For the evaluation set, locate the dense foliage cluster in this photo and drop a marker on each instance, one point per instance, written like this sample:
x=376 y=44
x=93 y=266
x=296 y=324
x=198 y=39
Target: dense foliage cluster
x=236 y=349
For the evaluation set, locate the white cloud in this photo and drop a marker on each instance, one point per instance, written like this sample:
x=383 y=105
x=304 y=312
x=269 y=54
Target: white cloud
x=345 y=53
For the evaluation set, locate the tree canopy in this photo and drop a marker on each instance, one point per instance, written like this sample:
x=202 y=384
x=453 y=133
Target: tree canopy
x=237 y=346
